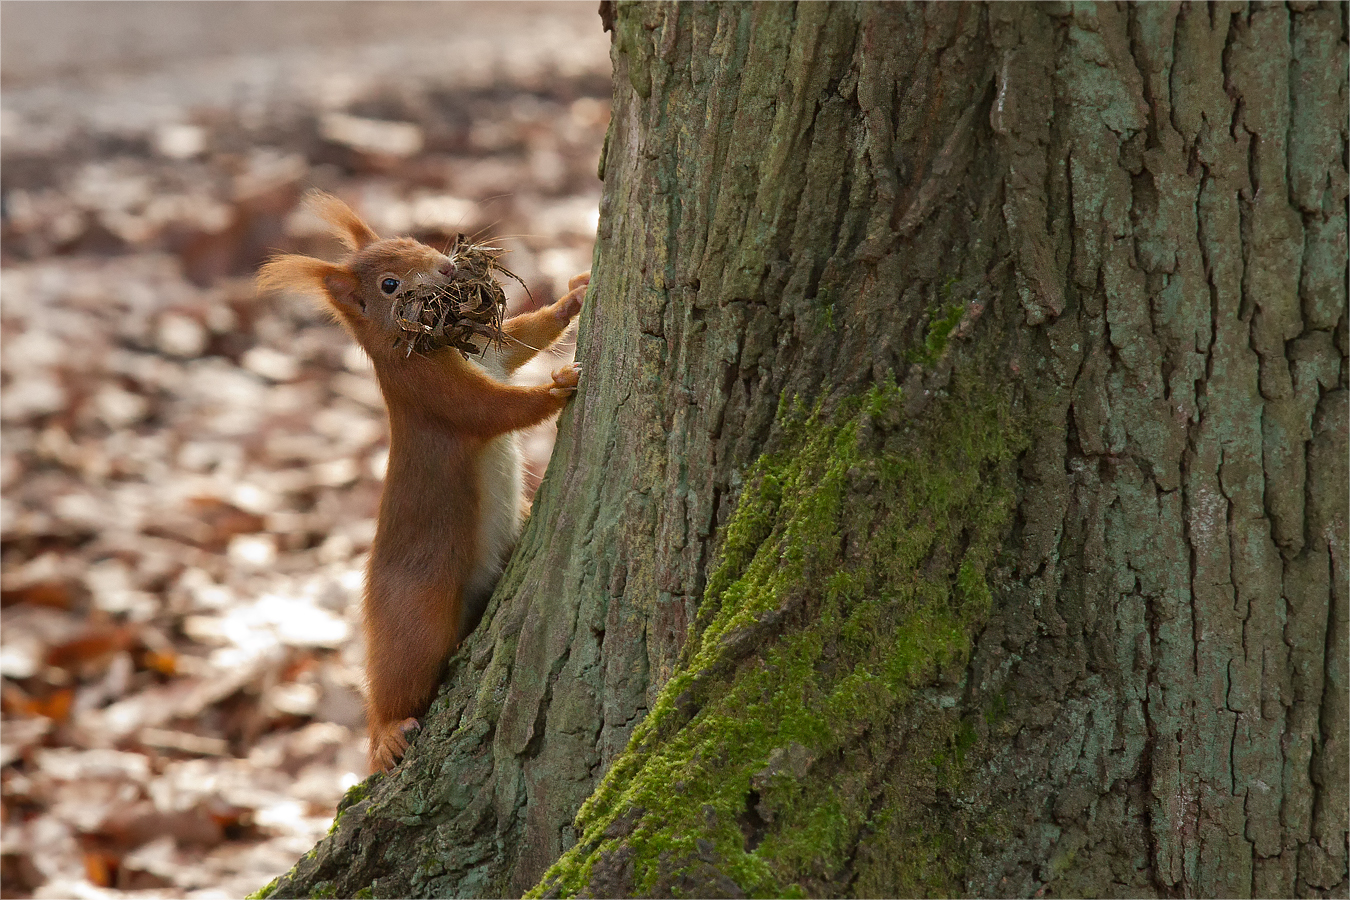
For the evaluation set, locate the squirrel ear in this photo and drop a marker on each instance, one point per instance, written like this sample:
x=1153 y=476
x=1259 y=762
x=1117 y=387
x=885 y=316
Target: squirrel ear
x=354 y=233
x=342 y=287
x=307 y=275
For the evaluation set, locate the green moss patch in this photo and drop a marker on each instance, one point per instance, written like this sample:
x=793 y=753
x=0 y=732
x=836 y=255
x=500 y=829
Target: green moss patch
x=355 y=794
x=265 y=891
x=852 y=573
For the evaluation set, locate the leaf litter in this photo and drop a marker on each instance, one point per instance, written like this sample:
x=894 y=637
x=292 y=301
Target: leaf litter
x=189 y=473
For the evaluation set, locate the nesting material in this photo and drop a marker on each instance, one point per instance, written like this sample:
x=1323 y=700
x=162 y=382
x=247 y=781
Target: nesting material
x=470 y=305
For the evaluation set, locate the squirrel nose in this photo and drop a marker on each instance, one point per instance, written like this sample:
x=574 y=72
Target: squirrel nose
x=447 y=269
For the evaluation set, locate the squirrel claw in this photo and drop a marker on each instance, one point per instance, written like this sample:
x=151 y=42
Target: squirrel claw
x=565 y=380
x=389 y=742
x=570 y=304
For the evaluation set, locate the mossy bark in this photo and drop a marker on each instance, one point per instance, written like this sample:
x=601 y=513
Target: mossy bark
x=955 y=502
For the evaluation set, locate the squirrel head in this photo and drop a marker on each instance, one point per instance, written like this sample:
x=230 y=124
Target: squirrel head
x=360 y=291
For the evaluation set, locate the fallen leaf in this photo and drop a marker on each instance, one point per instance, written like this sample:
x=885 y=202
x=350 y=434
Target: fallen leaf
x=183 y=742
x=100 y=641
x=100 y=867
x=165 y=662
x=56 y=594
x=54 y=705
x=18 y=874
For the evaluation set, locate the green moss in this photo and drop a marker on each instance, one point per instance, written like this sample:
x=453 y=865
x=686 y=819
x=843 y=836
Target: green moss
x=266 y=891
x=1062 y=863
x=942 y=321
x=355 y=794
x=924 y=861
x=918 y=842
x=997 y=709
x=853 y=569
x=323 y=890
x=364 y=894
x=825 y=303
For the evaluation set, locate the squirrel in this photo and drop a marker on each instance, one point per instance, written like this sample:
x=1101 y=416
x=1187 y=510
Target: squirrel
x=451 y=509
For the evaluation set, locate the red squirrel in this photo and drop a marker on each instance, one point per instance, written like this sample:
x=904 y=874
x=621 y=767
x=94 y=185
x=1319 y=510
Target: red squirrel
x=451 y=508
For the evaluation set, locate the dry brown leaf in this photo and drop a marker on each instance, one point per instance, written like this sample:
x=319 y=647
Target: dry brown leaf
x=54 y=705
x=165 y=662
x=18 y=873
x=98 y=642
x=56 y=594
x=183 y=742
x=203 y=824
x=100 y=867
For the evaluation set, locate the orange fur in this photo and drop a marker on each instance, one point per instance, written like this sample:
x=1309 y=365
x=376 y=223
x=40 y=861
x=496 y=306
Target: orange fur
x=444 y=414
x=532 y=331
x=347 y=226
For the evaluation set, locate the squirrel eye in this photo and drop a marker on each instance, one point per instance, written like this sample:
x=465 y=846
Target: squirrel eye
x=389 y=285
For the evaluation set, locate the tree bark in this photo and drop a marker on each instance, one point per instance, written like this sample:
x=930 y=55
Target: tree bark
x=955 y=501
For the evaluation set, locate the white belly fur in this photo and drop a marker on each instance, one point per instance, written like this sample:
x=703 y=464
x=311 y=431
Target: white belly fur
x=500 y=484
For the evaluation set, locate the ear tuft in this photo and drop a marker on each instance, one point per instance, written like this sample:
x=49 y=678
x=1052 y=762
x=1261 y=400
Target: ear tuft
x=314 y=277
x=349 y=228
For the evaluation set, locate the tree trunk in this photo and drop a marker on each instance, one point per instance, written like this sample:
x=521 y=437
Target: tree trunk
x=955 y=502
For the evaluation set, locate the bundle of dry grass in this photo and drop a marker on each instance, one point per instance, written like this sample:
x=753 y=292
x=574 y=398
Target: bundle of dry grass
x=470 y=305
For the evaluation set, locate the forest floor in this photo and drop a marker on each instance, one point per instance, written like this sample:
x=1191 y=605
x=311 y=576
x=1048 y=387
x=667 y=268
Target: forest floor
x=190 y=471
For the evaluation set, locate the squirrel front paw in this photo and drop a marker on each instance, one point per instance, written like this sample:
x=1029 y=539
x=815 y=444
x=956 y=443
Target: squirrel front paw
x=565 y=380
x=570 y=304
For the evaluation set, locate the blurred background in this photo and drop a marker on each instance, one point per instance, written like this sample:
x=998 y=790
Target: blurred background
x=188 y=472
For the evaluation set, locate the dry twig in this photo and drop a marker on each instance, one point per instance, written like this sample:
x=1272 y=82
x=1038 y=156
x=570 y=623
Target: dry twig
x=453 y=314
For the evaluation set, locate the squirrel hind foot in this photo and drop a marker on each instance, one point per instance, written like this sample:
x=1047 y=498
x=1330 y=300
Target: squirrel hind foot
x=388 y=743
